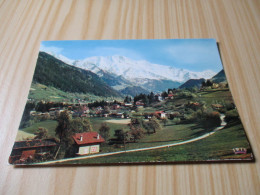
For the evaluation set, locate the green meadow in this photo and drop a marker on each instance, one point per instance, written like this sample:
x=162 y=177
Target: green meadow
x=215 y=147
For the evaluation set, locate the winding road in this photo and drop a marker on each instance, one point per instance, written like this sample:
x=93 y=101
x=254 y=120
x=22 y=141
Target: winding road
x=222 y=125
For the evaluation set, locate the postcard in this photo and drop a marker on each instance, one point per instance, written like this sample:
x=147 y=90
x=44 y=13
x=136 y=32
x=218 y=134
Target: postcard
x=96 y=102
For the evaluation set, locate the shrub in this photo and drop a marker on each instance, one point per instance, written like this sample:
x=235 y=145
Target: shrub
x=177 y=121
x=213 y=118
x=230 y=106
x=153 y=125
x=41 y=133
x=231 y=115
x=208 y=119
x=187 y=94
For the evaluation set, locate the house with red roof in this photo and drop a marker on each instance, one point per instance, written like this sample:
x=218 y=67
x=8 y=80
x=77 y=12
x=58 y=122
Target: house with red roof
x=170 y=96
x=139 y=103
x=88 y=142
x=161 y=114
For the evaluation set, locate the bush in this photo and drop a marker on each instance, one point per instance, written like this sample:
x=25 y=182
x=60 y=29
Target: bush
x=213 y=118
x=208 y=119
x=41 y=133
x=195 y=116
x=177 y=121
x=187 y=94
x=231 y=115
x=230 y=106
x=174 y=114
x=153 y=125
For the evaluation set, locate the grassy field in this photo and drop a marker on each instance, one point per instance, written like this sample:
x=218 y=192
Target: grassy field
x=167 y=135
x=216 y=147
x=42 y=92
x=174 y=133
x=48 y=124
x=214 y=96
x=220 y=96
x=52 y=124
x=96 y=124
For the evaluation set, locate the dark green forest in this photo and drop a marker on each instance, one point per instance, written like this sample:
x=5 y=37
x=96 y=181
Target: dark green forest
x=52 y=72
x=134 y=90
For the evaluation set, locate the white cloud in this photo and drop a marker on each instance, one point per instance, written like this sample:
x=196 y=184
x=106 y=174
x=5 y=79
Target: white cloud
x=51 y=50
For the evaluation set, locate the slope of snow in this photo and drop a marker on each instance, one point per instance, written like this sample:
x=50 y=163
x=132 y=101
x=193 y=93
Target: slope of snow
x=132 y=70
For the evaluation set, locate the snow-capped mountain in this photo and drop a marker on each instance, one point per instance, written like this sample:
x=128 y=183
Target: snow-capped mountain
x=120 y=72
x=132 y=70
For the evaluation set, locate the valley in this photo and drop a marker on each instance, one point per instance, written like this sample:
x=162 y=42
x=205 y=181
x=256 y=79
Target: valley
x=129 y=105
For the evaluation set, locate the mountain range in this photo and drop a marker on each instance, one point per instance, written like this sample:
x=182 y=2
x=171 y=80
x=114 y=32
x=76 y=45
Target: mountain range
x=121 y=72
x=220 y=77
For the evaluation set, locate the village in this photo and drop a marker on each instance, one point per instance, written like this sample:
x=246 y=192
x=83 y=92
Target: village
x=113 y=109
x=141 y=114
x=87 y=142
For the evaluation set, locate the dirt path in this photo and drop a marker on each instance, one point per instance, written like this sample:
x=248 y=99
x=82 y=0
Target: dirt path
x=223 y=124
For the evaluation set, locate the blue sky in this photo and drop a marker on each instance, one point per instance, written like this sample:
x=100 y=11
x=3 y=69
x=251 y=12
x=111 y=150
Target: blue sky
x=192 y=54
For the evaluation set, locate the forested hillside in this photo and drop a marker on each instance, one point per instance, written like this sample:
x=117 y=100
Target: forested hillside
x=134 y=90
x=220 y=77
x=53 y=72
x=192 y=83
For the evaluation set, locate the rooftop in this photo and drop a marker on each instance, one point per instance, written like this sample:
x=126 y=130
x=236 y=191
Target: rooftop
x=87 y=138
x=34 y=143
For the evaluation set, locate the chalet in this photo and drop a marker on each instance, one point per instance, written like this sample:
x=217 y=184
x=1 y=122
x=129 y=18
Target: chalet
x=170 y=96
x=139 y=103
x=117 y=115
x=88 y=142
x=215 y=85
x=120 y=115
x=217 y=106
x=23 y=151
x=55 y=111
x=128 y=104
x=148 y=115
x=33 y=113
x=158 y=97
x=84 y=115
x=161 y=114
x=194 y=105
x=115 y=106
x=105 y=115
x=36 y=113
x=99 y=112
x=99 y=108
x=85 y=109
